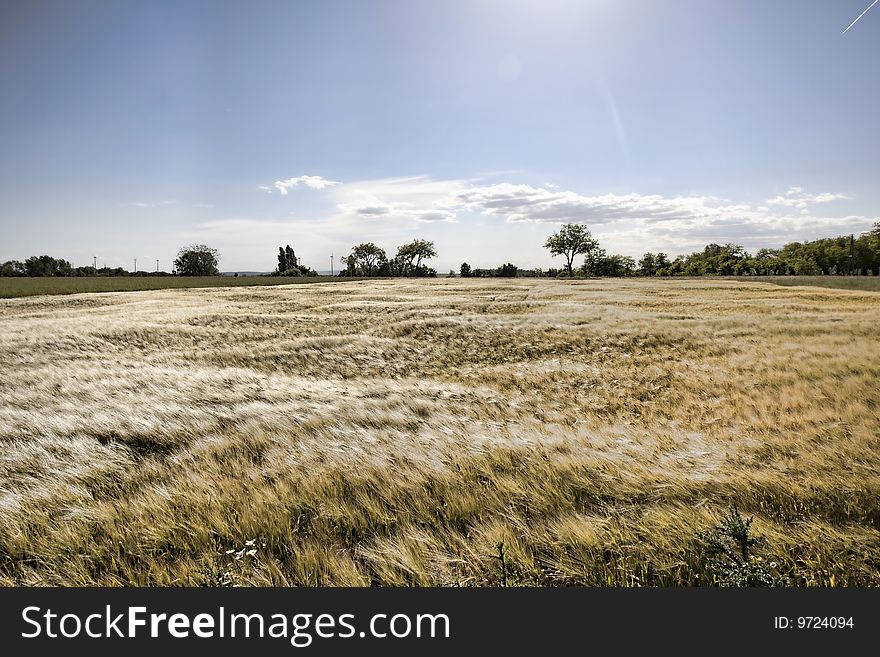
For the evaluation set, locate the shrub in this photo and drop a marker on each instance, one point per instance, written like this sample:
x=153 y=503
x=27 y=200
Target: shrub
x=729 y=548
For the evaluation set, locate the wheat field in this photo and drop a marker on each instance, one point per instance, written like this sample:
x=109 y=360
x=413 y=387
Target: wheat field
x=437 y=432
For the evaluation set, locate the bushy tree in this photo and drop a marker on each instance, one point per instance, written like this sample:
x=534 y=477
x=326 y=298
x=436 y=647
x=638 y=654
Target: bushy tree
x=508 y=270
x=593 y=262
x=653 y=264
x=869 y=250
x=410 y=256
x=598 y=263
x=616 y=265
x=197 y=260
x=396 y=266
x=571 y=241
x=12 y=268
x=47 y=266
x=465 y=270
x=714 y=259
x=365 y=259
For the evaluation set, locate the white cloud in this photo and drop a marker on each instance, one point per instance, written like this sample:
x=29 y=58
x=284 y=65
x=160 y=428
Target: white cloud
x=313 y=182
x=679 y=223
x=426 y=199
x=419 y=199
x=630 y=223
x=400 y=210
x=795 y=197
x=518 y=203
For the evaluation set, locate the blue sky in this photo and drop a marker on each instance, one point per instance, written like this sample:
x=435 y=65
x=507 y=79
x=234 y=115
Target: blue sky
x=128 y=129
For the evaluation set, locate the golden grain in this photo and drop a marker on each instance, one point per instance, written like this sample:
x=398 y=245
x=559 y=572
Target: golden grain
x=396 y=432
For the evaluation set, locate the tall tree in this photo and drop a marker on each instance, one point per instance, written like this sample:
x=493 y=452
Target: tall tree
x=282 y=260
x=570 y=241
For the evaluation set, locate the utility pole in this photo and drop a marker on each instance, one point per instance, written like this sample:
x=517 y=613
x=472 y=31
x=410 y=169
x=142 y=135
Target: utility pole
x=135 y=265
x=157 y=265
x=331 y=264
x=94 y=264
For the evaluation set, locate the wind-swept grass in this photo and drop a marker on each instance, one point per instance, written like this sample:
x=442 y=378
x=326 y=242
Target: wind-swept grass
x=412 y=432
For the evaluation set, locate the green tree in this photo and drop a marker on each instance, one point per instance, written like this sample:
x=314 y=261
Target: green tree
x=289 y=265
x=508 y=270
x=570 y=241
x=598 y=263
x=465 y=270
x=12 y=268
x=282 y=260
x=714 y=260
x=366 y=259
x=47 y=266
x=618 y=265
x=868 y=250
x=197 y=260
x=648 y=264
x=412 y=254
x=652 y=264
x=396 y=266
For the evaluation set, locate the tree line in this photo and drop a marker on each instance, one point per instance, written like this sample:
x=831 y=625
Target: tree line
x=842 y=255
x=193 y=260
x=45 y=265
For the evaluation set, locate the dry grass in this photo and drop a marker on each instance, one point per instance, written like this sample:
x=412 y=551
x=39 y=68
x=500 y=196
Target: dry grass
x=395 y=432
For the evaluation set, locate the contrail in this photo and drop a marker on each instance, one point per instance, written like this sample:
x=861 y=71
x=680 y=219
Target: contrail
x=860 y=15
